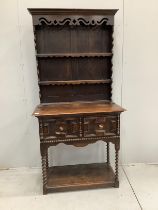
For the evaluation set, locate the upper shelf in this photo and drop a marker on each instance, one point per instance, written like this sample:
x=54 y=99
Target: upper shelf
x=75 y=55
x=75 y=82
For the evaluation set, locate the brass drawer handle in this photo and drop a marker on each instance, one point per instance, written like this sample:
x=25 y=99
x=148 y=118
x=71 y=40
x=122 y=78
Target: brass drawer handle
x=61 y=128
x=101 y=126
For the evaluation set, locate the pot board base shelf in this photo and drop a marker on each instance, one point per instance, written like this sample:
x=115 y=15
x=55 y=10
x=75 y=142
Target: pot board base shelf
x=80 y=177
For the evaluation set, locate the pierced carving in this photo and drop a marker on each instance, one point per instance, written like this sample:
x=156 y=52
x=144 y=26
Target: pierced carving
x=104 y=20
x=44 y=20
x=73 y=21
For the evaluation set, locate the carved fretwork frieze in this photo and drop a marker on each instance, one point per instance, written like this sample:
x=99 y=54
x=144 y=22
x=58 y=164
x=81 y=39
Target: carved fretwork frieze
x=53 y=20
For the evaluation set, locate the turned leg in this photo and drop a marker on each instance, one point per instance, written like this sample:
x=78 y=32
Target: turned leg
x=47 y=161
x=44 y=155
x=108 y=153
x=117 y=145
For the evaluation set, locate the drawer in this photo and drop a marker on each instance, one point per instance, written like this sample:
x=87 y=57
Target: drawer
x=101 y=126
x=61 y=128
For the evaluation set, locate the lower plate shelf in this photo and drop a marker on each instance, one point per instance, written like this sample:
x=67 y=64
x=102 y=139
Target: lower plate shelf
x=78 y=177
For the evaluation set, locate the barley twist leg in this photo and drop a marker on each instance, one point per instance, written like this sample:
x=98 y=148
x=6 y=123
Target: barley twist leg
x=44 y=155
x=117 y=145
x=108 y=153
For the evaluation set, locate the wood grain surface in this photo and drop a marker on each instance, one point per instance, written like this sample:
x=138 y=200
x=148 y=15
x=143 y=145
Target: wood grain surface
x=55 y=109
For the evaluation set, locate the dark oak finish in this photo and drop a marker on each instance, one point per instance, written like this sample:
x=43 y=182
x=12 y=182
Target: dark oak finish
x=74 y=66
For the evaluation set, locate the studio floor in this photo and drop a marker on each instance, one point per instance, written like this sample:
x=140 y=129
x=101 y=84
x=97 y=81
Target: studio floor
x=21 y=189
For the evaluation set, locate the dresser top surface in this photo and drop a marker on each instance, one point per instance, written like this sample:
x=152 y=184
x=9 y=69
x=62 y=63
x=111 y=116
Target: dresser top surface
x=56 y=109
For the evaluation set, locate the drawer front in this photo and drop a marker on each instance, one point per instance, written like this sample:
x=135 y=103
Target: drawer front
x=61 y=128
x=101 y=126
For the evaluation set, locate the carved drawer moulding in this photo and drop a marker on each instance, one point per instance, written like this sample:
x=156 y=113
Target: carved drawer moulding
x=75 y=127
